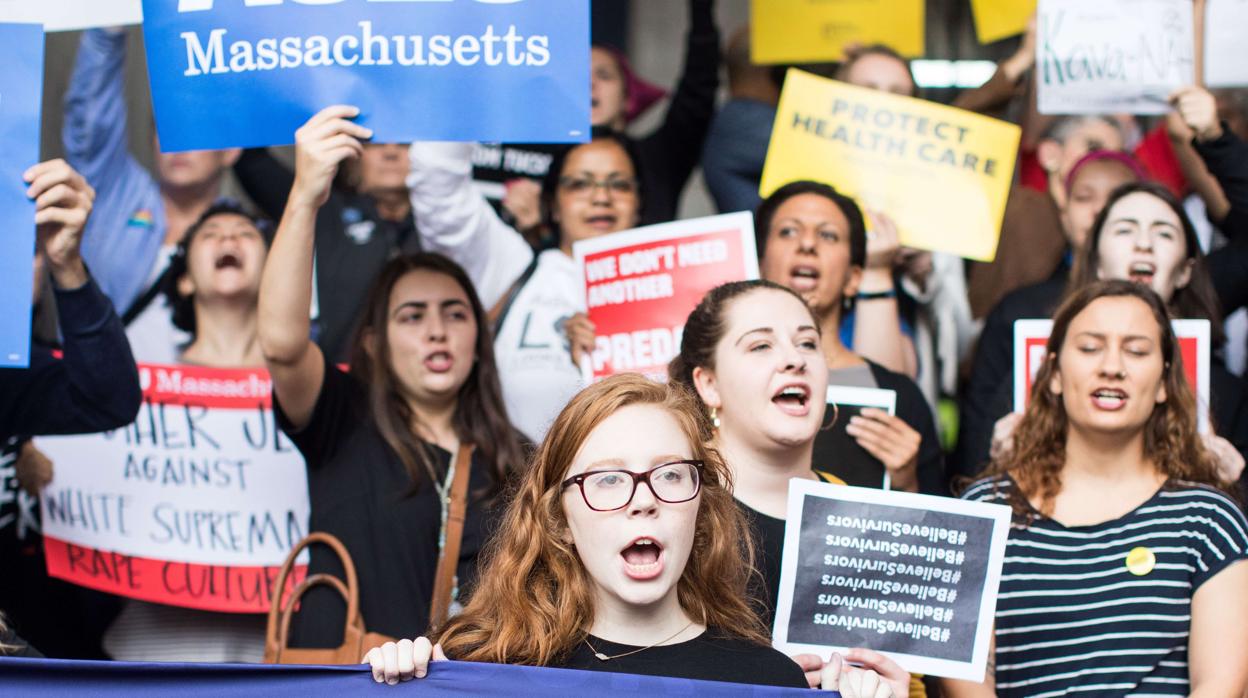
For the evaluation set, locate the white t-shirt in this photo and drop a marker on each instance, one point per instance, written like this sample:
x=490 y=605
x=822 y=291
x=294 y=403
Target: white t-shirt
x=531 y=350
x=153 y=338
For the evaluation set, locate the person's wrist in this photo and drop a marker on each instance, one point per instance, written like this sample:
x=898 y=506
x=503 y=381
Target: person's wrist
x=876 y=280
x=69 y=274
x=1210 y=133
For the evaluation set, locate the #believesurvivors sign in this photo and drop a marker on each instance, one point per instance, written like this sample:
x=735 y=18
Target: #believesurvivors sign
x=1113 y=56
x=641 y=285
x=195 y=504
x=923 y=164
x=228 y=73
x=1031 y=339
x=21 y=98
x=912 y=575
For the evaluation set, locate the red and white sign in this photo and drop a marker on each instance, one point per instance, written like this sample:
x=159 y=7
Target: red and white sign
x=195 y=504
x=641 y=285
x=1031 y=338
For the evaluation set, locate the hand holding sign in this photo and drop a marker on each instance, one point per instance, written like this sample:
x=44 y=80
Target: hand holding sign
x=63 y=201
x=403 y=660
x=321 y=145
x=893 y=442
x=879 y=677
x=1198 y=110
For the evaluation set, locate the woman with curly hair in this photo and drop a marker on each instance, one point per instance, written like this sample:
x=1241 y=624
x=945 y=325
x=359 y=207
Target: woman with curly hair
x=1123 y=569
x=618 y=554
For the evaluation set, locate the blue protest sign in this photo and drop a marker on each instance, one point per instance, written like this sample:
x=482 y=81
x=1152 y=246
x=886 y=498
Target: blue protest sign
x=51 y=677
x=243 y=73
x=21 y=98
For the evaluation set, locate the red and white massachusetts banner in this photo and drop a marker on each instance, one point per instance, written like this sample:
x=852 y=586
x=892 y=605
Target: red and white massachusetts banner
x=641 y=285
x=195 y=504
x=1031 y=338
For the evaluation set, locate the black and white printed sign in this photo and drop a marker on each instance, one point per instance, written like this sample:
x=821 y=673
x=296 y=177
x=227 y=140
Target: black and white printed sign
x=911 y=575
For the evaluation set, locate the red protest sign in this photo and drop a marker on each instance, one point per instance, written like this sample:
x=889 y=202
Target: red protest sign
x=194 y=504
x=1031 y=338
x=641 y=285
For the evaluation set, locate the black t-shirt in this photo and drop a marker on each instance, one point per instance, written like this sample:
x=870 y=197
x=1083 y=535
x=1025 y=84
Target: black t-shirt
x=711 y=656
x=768 y=535
x=838 y=453
x=361 y=493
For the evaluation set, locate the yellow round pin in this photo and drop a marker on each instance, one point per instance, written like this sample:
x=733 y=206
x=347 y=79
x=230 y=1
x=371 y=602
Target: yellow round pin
x=1140 y=561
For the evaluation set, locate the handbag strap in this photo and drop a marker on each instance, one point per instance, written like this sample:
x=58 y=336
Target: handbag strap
x=275 y=639
x=448 y=559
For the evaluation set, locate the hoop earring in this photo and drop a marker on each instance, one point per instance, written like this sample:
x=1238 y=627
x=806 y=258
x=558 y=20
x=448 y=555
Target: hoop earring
x=714 y=418
x=836 y=414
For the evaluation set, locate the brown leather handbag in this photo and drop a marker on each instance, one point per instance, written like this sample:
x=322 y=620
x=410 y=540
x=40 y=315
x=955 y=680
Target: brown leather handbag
x=355 y=639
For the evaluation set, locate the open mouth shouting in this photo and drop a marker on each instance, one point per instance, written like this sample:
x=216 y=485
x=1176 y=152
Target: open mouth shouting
x=803 y=278
x=1142 y=272
x=228 y=260
x=439 y=362
x=643 y=559
x=603 y=222
x=1109 y=399
x=793 y=399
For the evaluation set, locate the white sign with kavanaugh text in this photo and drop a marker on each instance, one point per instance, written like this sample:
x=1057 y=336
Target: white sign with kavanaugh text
x=1113 y=56
x=64 y=15
x=911 y=575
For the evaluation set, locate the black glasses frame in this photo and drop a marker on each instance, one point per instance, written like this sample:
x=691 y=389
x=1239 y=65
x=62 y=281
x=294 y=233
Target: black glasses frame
x=638 y=478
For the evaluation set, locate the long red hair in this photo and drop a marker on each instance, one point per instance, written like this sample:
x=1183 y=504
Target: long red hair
x=534 y=601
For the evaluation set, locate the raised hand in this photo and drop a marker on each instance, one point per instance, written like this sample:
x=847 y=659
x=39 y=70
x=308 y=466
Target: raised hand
x=321 y=145
x=63 y=202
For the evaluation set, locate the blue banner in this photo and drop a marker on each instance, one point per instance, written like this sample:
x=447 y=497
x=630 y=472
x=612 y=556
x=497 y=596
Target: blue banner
x=21 y=98
x=48 y=678
x=242 y=73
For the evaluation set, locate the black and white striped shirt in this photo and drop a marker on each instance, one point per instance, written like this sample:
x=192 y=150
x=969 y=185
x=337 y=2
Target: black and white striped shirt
x=1072 y=618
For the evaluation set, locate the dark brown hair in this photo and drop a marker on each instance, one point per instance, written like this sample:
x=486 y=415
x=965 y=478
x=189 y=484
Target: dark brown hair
x=480 y=416
x=1171 y=440
x=534 y=602
x=857 y=232
x=705 y=327
x=1197 y=299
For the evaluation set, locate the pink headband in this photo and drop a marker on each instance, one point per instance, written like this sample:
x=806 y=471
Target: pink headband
x=1106 y=155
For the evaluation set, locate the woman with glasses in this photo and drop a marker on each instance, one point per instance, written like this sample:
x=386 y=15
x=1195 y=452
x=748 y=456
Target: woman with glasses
x=591 y=189
x=618 y=554
x=752 y=353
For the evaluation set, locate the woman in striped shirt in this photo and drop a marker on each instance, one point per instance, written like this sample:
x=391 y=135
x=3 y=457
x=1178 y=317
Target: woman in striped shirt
x=1122 y=572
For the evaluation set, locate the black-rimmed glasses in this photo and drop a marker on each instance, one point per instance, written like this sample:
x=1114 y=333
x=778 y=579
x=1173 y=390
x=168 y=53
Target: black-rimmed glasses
x=608 y=490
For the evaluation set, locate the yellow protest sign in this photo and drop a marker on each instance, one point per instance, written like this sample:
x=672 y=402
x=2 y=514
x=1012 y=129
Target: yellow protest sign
x=998 y=19
x=808 y=31
x=943 y=174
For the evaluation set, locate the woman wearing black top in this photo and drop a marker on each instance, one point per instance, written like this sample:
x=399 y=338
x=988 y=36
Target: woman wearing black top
x=813 y=240
x=617 y=554
x=378 y=440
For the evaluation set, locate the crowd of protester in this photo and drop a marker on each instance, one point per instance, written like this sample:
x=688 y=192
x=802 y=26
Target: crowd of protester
x=418 y=312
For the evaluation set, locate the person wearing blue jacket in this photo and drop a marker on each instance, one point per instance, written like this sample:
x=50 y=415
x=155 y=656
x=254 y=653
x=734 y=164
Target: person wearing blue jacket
x=139 y=216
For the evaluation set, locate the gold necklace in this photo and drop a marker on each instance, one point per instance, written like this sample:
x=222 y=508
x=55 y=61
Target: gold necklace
x=603 y=658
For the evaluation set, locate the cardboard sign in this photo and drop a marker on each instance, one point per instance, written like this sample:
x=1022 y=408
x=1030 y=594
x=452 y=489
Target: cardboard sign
x=844 y=403
x=1226 y=52
x=923 y=164
x=21 y=100
x=228 y=73
x=1113 y=56
x=195 y=504
x=66 y=15
x=641 y=285
x=1031 y=338
x=998 y=19
x=812 y=31
x=912 y=575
